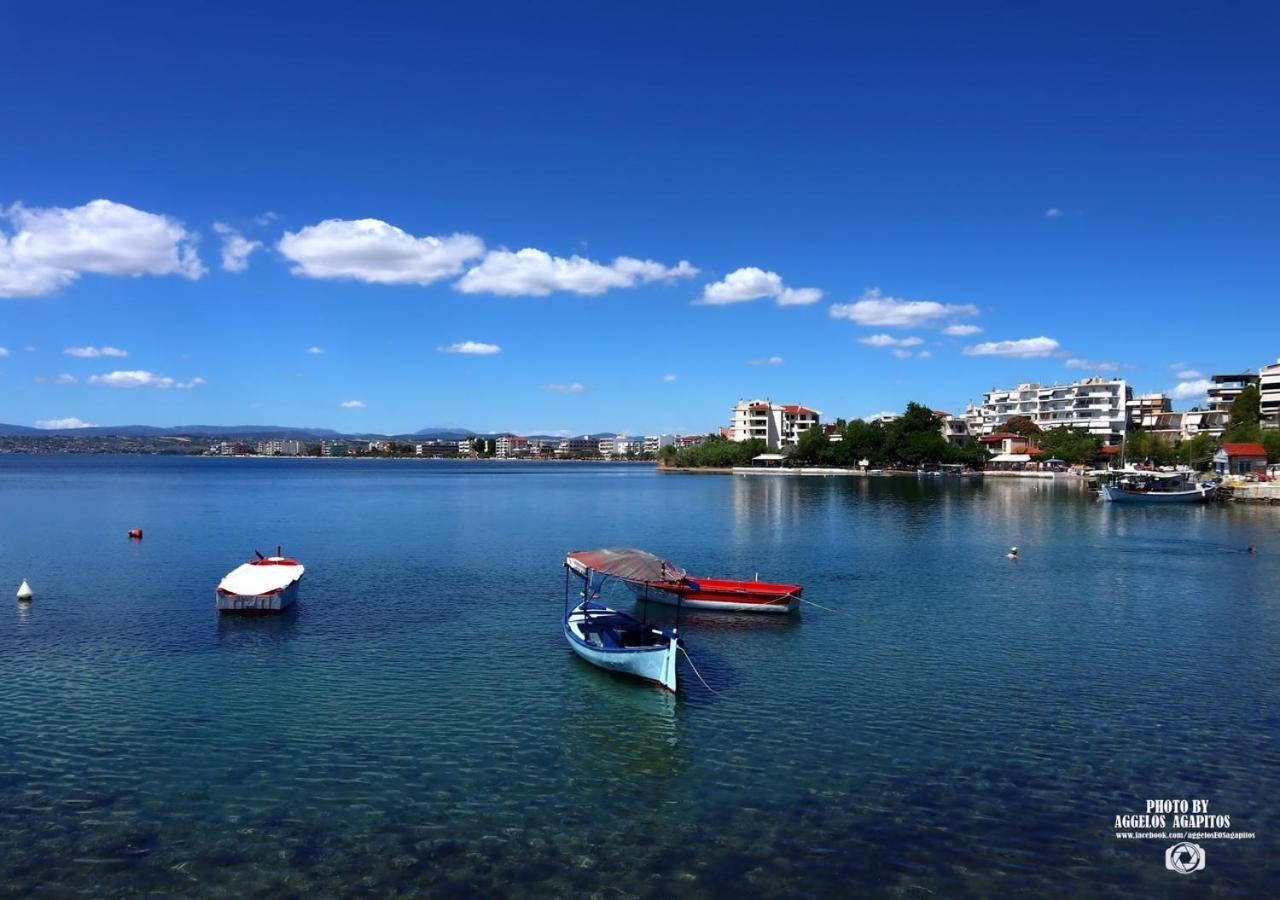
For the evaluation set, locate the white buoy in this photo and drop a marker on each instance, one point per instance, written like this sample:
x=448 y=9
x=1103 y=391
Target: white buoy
x=24 y=592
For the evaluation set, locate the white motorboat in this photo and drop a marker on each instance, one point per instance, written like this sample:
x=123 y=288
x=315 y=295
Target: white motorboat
x=1142 y=486
x=265 y=584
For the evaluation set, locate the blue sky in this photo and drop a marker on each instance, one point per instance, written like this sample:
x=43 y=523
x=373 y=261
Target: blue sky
x=1102 y=176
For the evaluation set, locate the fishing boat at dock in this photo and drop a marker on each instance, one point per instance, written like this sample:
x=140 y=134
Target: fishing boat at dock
x=1151 y=487
x=614 y=640
x=267 y=584
x=723 y=594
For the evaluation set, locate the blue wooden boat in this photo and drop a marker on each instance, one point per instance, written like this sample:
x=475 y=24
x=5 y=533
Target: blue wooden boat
x=614 y=640
x=1137 y=486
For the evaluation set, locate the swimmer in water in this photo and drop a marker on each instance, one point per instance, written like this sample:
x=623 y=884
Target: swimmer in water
x=1013 y=553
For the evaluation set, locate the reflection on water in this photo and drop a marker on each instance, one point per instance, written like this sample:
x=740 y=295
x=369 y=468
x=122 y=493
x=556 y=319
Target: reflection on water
x=942 y=721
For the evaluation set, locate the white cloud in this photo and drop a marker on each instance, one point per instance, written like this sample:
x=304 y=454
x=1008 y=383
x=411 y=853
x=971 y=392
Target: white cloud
x=889 y=312
x=61 y=424
x=1025 y=348
x=474 y=348
x=352 y=404
x=668 y=378
x=95 y=352
x=901 y=354
x=536 y=273
x=1053 y=213
x=51 y=247
x=266 y=218
x=235 y=248
x=1191 y=390
x=1095 y=366
x=574 y=388
x=961 y=330
x=1190 y=375
x=187 y=385
x=887 y=340
x=132 y=379
x=66 y=378
x=771 y=361
x=372 y=251
x=316 y=351
x=925 y=354
x=751 y=283
x=4 y=351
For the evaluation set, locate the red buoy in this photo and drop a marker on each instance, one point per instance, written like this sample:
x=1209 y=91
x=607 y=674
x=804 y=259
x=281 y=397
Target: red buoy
x=135 y=533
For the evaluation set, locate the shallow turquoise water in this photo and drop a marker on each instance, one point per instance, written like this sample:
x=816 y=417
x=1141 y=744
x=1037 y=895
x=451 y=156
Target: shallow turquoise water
x=957 y=725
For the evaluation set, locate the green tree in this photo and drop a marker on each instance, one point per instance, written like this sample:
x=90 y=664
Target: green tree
x=1022 y=425
x=1246 y=409
x=813 y=448
x=1270 y=439
x=1070 y=444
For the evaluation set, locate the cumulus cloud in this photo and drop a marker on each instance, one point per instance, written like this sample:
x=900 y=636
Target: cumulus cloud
x=887 y=340
x=668 y=378
x=1196 y=389
x=925 y=354
x=1053 y=213
x=66 y=378
x=535 y=273
x=316 y=351
x=60 y=424
x=1024 y=348
x=1092 y=365
x=94 y=352
x=373 y=251
x=235 y=248
x=1190 y=375
x=961 y=330
x=751 y=283
x=4 y=351
x=192 y=383
x=352 y=404
x=769 y=361
x=874 y=309
x=136 y=378
x=574 y=388
x=901 y=354
x=474 y=348
x=51 y=247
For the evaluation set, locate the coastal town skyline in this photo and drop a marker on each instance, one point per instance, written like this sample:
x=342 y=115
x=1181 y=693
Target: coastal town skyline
x=541 y=252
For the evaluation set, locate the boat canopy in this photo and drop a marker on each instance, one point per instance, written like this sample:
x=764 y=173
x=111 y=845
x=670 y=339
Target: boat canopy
x=627 y=563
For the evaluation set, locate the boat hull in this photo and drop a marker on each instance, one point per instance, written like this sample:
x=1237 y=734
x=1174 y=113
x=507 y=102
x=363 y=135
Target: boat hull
x=656 y=663
x=277 y=601
x=724 y=597
x=1119 y=495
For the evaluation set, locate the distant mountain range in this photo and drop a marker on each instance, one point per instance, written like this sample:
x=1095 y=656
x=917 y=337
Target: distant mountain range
x=246 y=431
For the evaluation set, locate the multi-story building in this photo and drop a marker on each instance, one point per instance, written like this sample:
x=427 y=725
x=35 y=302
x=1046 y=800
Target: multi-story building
x=955 y=429
x=510 y=446
x=1095 y=405
x=778 y=425
x=690 y=440
x=579 y=446
x=1227 y=388
x=655 y=442
x=1269 y=387
x=1143 y=408
x=279 y=448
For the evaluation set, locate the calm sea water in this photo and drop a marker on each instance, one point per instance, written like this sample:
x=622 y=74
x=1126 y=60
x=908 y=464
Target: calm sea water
x=956 y=724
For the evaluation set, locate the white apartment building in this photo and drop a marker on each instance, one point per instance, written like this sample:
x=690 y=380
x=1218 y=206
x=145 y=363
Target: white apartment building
x=583 y=446
x=509 y=446
x=279 y=448
x=1269 y=386
x=778 y=425
x=1227 y=388
x=954 y=429
x=655 y=442
x=1097 y=405
x=1143 y=408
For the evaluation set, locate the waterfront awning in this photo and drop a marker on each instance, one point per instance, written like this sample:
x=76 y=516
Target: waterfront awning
x=769 y=457
x=1011 y=458
x=626 y=563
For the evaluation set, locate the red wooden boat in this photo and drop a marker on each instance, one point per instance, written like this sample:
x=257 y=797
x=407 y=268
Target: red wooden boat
x=727 y=595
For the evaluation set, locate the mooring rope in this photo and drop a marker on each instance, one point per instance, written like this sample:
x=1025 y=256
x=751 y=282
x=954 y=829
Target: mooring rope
x=689 y=660
x=819 y=605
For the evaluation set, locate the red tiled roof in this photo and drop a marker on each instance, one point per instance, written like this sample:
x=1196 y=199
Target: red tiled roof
x=1111 y=450
x=1249 y=449
x=940 y=414
x=793 y=409
x=1000 y=436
